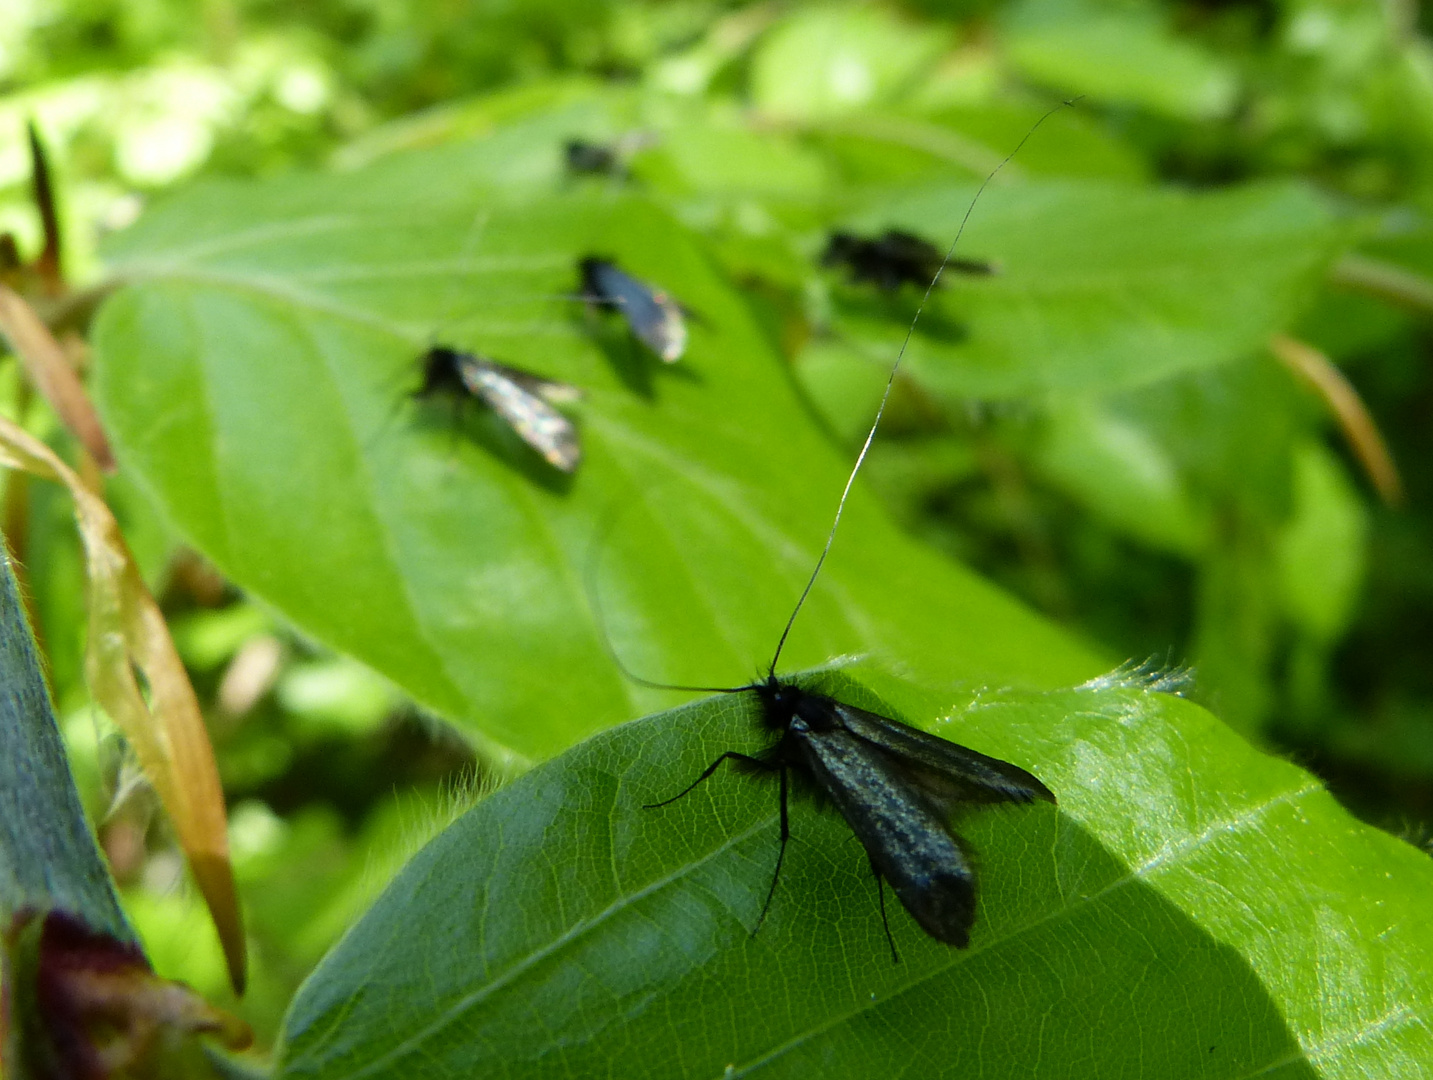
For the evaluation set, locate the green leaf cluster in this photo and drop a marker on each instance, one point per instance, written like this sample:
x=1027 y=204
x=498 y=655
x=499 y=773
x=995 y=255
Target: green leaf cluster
x=1090 y=455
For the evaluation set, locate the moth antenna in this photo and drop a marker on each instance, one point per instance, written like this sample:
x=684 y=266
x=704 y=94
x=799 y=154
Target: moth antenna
x=891 y=379
x=594 y=601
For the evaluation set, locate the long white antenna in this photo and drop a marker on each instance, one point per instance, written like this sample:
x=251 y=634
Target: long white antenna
x=890 y=380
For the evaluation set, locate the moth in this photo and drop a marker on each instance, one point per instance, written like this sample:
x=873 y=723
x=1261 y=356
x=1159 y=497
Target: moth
x=895 y=786
x=585 y=158
x=523 y=400
x=894 y=258
x=652 y=314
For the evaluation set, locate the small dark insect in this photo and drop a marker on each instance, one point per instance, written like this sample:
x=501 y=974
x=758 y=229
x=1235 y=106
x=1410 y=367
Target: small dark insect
x=591 y=159
x=586 y=158
x=653 y=315
x=894 y=785
x=894 y=258
x=525 y=401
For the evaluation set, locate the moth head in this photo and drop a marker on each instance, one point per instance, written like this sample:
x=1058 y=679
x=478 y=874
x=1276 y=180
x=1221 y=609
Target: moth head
x=440 y=372
x=779 y=701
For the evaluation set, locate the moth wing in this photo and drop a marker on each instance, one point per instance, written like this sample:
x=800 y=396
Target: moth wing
x=550 y=390
x=652 y=314
x=908 y=839
x=518 y=398
x=899 y=244
x=949 y=772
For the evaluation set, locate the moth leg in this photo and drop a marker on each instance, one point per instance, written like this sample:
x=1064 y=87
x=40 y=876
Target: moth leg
x=780 y=855
x=733 y=755
x=881 y=894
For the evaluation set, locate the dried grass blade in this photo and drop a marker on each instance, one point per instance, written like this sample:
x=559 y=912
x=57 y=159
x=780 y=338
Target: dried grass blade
x=128 y=632
x=52 y=374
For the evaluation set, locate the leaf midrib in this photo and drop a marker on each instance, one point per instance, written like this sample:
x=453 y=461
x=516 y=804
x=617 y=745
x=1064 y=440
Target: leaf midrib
x=570 y=936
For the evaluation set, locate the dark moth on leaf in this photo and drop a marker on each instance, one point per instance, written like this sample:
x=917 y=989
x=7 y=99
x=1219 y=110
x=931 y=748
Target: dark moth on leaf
x=897 y=788
x=652 y=314
x=894 y=258
x=585 y=158
x=524 y=401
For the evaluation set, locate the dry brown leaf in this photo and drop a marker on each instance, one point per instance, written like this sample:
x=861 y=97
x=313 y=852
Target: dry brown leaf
x=127 y=631
x=50 y=371
x=1358 y=425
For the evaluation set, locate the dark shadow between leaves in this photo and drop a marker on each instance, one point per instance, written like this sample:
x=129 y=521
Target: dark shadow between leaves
x=558 y=925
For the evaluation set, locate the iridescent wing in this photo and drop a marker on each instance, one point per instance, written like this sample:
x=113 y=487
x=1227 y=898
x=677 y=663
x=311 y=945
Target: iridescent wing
x=908 y=839
x=949 y=772
x=654 y=316
x=524 y=401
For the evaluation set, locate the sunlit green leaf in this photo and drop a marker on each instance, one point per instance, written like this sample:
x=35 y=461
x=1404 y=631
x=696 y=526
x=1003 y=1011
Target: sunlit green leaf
x=253 y=378
x=1096 y=286
x=828 y=60
x=1182 y=914
x=1120 y=55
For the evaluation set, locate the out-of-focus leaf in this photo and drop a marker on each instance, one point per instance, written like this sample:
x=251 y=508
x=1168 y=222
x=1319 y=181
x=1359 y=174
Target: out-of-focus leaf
x=1120 y=472
x=336 y=694
x=708 y=151
x=570 y=107
x=294 y=313
x=1235 y=622
x=1097 y=286
x=692 y=71
x=1322 y=549
x=843 y=387
x=127 y=632
x=1229 y=431
x=1190 y=901
x=1120 y=56
x=1069 y=143
x=831 y=59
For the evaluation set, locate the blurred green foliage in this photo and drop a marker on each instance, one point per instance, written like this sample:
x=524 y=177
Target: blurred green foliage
x=1206 y=509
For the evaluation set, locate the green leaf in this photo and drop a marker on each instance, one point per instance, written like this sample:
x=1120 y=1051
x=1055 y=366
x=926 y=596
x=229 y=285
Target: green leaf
x=828 y=60
x=1119 y=471
x=1069 y=143
x=48 y=857
x=1120 y=56
x=1321 y=551
x=1205 y=910
x=253 y=379
x=1099 y=286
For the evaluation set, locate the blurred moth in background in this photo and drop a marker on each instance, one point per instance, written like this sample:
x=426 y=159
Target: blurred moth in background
x=585 y=158
x=895 y=258
x=655 y=318
x=524 y=401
